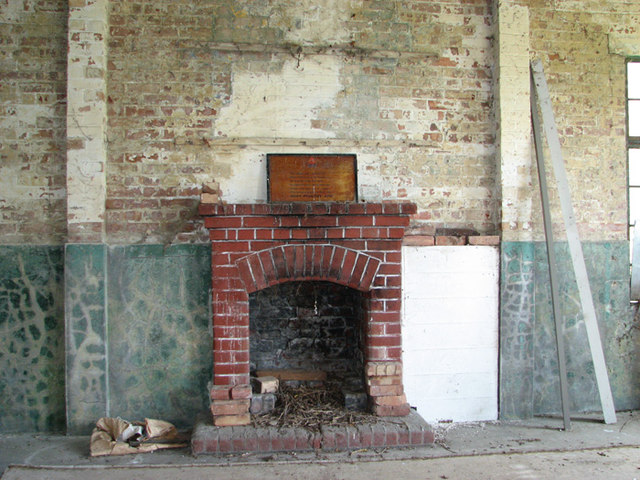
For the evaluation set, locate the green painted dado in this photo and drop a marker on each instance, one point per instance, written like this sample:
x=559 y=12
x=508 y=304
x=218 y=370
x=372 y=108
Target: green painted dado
x=160 y=358
x=517 y=312
x=132 y=325
x=529 y=370
x=86 y=335
x=31 y=339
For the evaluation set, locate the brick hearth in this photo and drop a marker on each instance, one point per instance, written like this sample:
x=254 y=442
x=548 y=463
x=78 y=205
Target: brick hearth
x=408 y=431
x=255 y=246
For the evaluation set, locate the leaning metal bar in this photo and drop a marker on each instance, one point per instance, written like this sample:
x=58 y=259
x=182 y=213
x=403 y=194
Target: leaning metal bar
x=551 y=256
x=575 y=248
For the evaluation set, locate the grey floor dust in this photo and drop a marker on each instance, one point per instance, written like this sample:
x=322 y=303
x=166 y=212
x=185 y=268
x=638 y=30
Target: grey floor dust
x=537 y=448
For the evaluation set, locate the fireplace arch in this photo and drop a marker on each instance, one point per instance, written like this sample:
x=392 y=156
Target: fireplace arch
x=316 y=262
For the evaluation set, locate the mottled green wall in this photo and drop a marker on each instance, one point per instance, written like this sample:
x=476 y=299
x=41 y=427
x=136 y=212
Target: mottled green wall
x=137 y=334
x=517 y=307
x=31 y=339
x=160 y=358
x=86 y=335
x=529 y=373
x=139 y=342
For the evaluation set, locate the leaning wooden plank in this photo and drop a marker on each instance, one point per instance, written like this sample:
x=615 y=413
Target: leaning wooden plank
x=575 y=248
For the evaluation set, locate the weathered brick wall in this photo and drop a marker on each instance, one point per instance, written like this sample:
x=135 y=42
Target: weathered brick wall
x=32 y=121
x=202 y=91
x=587 y=87
x=405 y=85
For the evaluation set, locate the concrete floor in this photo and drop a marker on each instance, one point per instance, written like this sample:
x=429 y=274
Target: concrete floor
x=537 y=448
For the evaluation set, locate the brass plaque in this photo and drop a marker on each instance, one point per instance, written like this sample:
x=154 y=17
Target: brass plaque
x=312 y=178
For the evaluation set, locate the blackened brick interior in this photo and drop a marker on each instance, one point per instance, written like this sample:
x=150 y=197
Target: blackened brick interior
x=307 y=325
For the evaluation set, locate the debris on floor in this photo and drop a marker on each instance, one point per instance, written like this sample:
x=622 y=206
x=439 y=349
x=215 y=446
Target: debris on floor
x=115 y=436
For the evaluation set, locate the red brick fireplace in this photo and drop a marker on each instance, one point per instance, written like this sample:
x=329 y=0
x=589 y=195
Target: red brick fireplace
x=255 y=246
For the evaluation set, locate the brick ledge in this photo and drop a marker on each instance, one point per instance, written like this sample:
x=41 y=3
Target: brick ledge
x=450 y=240
x=307 y=208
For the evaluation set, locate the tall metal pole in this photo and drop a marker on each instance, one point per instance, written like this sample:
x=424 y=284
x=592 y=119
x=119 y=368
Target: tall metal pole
x=551 y=256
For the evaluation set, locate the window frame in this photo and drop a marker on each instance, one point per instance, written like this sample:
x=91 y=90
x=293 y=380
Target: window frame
x=632 y=143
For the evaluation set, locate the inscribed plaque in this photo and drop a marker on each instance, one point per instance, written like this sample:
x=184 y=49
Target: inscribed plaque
x=312 y=178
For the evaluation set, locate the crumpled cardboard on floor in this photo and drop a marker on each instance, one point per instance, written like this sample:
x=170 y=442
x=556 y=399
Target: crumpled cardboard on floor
x=114 y=436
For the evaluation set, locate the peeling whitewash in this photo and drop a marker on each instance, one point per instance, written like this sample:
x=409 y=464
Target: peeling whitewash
x=514 y=119
x=450 y=331
x=280 y=104
x=86 y=118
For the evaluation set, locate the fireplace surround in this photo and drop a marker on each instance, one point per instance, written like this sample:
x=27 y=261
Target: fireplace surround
x=255 y=246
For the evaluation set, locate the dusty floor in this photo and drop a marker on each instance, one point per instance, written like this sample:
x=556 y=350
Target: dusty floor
x=538 y=448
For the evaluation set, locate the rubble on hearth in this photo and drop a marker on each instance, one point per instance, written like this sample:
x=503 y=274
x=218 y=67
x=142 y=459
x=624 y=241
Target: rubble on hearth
x=311 y=404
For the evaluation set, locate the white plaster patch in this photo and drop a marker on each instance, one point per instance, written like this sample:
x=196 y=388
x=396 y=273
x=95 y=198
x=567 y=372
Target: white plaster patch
x=370 y=183
x=86 y=180
x=247 y=182
x=514 y=119
x=282 y=104
x=627 y=44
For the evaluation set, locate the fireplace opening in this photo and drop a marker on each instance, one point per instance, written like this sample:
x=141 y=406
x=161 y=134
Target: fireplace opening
x=310 y=334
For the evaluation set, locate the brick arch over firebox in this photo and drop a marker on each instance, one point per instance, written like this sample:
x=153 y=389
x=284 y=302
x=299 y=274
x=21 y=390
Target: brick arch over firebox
x=313 y=262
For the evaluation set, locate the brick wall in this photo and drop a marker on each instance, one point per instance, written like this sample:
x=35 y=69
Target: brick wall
x=405 y=85
x=32 y=121
x=587 y=87
x=202 y=91
x=162 y=98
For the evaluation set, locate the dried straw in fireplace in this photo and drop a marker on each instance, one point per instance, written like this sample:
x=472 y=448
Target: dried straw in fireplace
x=310 y=408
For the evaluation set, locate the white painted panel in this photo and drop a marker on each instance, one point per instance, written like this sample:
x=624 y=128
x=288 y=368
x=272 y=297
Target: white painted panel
x=440 y=361
x=449 y=335
x=451 y=259
x=447 y=386
x=464 y=411
x=452 y=285
x=450 y=331
x=430 y=311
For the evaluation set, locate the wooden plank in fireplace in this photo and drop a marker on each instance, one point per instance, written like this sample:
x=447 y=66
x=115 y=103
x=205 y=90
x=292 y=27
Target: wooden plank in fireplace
x=300 y=375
